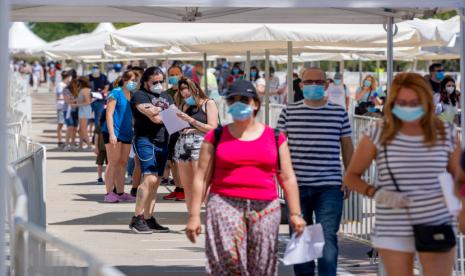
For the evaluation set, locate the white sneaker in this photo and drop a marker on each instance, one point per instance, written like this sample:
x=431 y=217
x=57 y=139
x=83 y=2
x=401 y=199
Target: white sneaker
x=68 y=148
x=128 y=179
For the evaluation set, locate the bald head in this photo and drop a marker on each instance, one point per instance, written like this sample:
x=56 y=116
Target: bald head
x=313 y=74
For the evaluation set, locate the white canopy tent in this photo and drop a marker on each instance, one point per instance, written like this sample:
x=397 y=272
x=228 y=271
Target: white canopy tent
x=231 y=11
x=23 y=40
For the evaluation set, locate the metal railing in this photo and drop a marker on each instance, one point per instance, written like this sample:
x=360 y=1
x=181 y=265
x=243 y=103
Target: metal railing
x=36 y=252
x=32 y=250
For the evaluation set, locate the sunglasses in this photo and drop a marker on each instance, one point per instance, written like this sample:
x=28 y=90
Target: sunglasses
x=440 y=70
x=158 y=82
x=242 y=99
x=313 y=82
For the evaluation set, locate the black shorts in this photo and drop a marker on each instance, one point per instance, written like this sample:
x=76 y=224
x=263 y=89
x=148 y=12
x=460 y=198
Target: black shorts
x=106 y=139
x=172 y=145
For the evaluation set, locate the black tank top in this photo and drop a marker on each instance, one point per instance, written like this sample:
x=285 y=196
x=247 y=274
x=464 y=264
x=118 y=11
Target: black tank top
x=197 y=113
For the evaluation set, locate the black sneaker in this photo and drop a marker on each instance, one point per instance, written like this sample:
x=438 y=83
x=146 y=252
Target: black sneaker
x=134 y=192
x=138 y=225
x=156 y=228
x=100 y=181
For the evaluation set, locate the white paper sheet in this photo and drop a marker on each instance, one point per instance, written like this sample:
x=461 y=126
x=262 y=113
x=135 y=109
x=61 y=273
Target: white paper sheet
x=97 y=95
x=171 y=121
x=306 y=247
x=447 y=187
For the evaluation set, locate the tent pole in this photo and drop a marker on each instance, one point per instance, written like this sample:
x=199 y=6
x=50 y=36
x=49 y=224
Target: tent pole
x=166 y=72
x=267 y=87
x=4 y=64
x=341 y=66
x=360 y=71
x=378 y=75
x=290 y=71
x=205 y=77
x=389 y=52
x=462 y=72
x=247 y=66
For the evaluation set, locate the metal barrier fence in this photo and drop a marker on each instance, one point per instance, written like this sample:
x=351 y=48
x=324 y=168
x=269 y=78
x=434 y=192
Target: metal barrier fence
x=37 y=253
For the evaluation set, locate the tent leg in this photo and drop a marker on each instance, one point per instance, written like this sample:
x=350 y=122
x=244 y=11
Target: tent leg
x=360 y=72
x=462 y=73
x=341 y=66
x=205 y=77
x=167 y=76
x=378 y=75
x=267 y=87
x=290 y=71
x=247 y=66
x=4 y=63
x=390 y=53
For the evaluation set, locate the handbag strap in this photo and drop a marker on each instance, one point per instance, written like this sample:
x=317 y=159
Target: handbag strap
x=389 y=169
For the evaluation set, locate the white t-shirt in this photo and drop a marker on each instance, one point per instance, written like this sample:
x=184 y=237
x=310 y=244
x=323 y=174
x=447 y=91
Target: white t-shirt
x=337 y=94
x=60 y=104
x=274 y=85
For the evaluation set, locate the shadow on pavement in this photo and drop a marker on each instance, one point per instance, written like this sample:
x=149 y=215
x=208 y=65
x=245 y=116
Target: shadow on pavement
x=123 y=218
x=173 y=270
x=73 y=158
x=81 y=170
x=99 y=197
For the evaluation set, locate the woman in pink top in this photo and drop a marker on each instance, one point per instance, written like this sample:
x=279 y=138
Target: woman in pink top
x=243 y=209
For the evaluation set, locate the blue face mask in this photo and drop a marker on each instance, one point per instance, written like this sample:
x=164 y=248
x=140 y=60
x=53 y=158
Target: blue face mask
x=408 y=114
x=173 y=80
x=253 y=74
x=131 y=86
x=314 y=92
x=235 y=71
x=337 y=82
x=440 y=76
x=367 y=83
x=190 y=101
x=240 y=111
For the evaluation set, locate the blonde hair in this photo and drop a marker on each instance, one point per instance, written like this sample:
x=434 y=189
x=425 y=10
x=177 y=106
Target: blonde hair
x=374 y=83
x=430 y=124
x=195 y=90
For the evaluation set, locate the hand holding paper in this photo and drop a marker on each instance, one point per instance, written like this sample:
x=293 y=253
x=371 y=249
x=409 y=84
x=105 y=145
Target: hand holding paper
x=306 y=247
x=171 y=120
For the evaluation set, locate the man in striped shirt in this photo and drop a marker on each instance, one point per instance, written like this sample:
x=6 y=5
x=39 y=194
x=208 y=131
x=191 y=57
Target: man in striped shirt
x=317 y=131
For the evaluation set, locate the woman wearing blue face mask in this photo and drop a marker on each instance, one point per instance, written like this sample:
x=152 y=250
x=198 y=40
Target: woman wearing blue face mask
x=411 y=148
x=368 y=95
x=202 y=115
x=254 y=73
x=240 y=163
x=117 y=135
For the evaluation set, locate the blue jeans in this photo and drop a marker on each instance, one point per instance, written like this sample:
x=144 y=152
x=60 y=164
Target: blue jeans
x=326 y=202
x=130 y=167
x=98 y=106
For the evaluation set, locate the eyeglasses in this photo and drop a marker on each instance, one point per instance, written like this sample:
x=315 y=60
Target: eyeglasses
x=242 y=99
x=403 y=103
x=440 y=70
x=313 y=82
x=158 y=82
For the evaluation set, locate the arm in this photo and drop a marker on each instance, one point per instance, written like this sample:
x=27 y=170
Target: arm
x=453 y=166
x=199 y=187
x=288 y=183
x=347 y=150
x=105 y=89
x=150 y=111
x=109 y=116
x=360 y=93
x=361 y=160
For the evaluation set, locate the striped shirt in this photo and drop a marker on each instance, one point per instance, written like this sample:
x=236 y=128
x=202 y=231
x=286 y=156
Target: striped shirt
x=314 y=137
x=416 y=168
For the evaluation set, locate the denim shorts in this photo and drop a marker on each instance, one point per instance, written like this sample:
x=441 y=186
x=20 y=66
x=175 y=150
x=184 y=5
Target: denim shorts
x=73 y=119
x=152 y=155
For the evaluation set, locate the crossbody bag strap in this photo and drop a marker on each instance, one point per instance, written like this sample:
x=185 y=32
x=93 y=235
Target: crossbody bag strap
x=276 y=139
x=389 y=169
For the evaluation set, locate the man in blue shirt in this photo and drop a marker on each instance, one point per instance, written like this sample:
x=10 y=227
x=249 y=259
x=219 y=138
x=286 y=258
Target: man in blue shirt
x=99 y=83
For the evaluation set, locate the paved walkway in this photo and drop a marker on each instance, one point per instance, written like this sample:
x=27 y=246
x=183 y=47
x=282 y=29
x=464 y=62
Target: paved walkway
x=76 y=213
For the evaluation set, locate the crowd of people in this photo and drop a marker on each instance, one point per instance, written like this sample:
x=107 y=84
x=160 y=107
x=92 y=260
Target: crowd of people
x=233 y=168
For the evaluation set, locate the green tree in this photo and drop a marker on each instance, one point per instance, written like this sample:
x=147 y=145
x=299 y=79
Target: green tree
x=53 y=31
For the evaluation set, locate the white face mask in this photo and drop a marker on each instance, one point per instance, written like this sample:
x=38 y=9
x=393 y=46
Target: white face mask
x=157 y=88
x=450 y=89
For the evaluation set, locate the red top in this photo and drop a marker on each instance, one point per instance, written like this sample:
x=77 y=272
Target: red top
x=246 y=169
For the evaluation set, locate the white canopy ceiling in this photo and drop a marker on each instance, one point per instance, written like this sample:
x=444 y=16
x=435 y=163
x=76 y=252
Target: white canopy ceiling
x=227 y=39
x=22 y=39
x=231 y=11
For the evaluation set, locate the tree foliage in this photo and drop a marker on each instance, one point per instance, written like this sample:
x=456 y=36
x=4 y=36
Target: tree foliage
x=53 y=31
